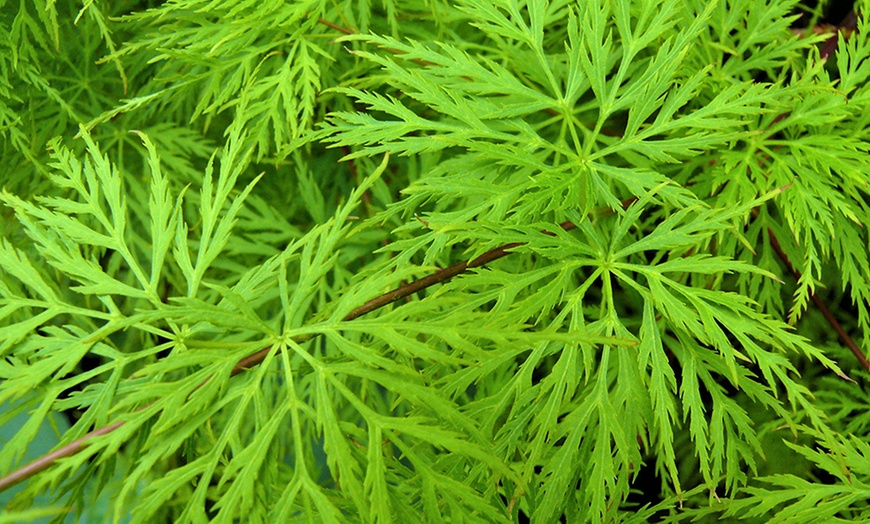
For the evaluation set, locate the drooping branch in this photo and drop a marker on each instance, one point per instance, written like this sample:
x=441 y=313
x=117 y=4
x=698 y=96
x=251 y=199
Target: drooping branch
x=442 y=275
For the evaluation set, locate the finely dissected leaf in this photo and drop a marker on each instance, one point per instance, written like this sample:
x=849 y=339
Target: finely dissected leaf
x=163 y=214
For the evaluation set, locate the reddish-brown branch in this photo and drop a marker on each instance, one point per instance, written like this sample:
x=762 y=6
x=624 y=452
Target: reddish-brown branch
x=254 y=359
x=407 y=290
x=832 y=320
x=337 y=27
x=45 y=461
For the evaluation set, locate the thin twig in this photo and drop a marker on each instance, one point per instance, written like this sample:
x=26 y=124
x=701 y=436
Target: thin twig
x=337 y=27
x=442 y=275
x=832 y=320
x=406 y=290
x=47 y=460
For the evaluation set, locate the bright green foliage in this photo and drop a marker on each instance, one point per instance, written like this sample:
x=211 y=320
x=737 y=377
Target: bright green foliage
x=188 y=183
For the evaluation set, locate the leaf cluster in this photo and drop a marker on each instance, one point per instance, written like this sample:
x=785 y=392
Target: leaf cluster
x=615 y=218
